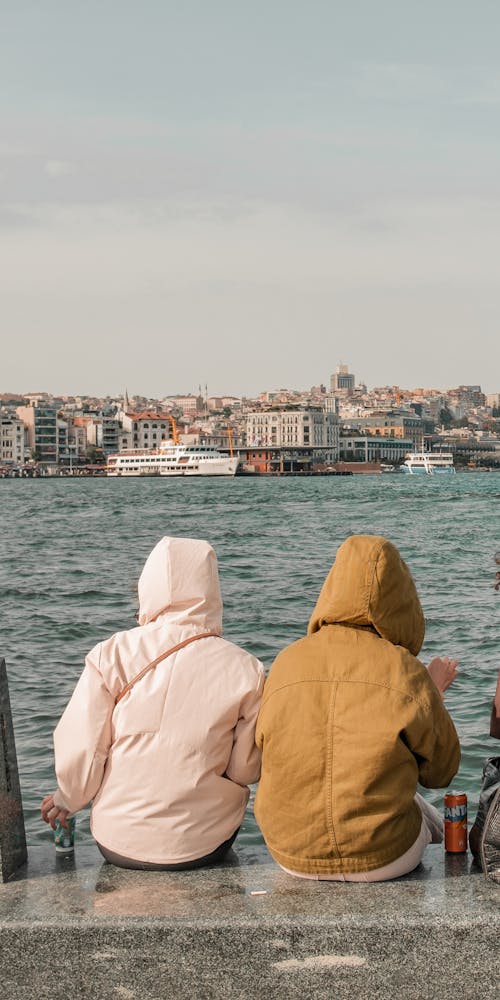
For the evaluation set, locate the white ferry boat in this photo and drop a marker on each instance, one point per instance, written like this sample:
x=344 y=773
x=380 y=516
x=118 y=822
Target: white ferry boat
x=172 y=459
x=430 y=463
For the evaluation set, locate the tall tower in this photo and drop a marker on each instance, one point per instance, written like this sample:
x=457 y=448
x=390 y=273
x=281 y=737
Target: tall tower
x=343 y=380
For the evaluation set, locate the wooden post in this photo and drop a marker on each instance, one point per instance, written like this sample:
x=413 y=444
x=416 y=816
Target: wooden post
x=13 y=851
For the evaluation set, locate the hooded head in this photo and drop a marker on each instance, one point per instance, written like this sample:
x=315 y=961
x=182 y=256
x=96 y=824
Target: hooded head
x=180 y=579
x=369 y=585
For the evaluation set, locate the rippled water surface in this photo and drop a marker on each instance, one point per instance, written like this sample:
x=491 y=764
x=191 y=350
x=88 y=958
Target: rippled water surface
x=72 y=550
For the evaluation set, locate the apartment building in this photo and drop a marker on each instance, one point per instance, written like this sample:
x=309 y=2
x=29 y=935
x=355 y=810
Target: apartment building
x=111 y=429
x=11 y=440
x=40 y=422
x=72 y=440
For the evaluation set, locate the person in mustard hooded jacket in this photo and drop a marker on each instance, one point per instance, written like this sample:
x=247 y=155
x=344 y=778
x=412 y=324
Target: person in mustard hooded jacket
x=350 y=723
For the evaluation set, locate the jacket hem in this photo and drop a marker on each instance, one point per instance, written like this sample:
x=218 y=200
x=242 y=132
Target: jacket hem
x=346 y=865
x=150 y=860
x=132 y=854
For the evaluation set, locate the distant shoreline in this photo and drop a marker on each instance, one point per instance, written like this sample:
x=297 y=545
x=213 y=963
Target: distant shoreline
x=51 y=477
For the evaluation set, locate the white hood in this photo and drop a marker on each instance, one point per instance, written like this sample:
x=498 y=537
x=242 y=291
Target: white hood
x=180 y=579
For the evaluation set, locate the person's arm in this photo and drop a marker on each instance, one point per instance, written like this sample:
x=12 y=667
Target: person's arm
x=495 y=713
x=81 y=742
x=245 y=760
x=432 y=738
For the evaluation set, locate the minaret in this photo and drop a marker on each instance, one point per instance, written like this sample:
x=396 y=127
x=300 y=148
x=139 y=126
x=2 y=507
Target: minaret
x=126 y=403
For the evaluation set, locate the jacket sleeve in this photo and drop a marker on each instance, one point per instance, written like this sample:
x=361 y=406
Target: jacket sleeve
x=83 y=737
x=245 y=760
x=432 y=738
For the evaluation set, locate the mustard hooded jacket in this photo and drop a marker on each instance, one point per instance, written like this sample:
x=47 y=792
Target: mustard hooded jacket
x=351 y=721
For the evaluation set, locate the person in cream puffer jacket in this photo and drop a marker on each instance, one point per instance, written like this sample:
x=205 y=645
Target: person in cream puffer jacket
x=168 y=765
x=350 y=722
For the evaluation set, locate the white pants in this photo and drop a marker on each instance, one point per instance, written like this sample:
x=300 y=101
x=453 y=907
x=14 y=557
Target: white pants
x=431 y=832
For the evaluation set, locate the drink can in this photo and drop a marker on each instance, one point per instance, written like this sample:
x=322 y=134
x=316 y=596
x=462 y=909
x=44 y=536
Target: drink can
x=64 y=836
x=455 y=822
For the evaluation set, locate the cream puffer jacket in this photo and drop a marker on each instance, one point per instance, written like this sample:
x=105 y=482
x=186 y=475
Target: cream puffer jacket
x=168 y=766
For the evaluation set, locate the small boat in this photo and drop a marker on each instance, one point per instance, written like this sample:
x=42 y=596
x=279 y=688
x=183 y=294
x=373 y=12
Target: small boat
x=430 y=463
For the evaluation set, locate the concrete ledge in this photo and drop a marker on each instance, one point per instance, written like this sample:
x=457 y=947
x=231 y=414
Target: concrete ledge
x=82 y=928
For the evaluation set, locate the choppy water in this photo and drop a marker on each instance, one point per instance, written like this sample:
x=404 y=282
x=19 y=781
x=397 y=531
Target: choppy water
x=71 y=552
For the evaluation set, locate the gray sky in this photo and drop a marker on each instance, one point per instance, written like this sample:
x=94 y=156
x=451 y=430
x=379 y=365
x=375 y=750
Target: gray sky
x=246 y=194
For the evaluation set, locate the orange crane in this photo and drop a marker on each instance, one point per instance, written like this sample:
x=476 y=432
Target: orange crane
x=175 y=436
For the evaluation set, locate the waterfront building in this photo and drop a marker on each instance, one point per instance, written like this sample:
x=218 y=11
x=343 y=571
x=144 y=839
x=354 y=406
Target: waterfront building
x=111 y=428
x=373 y=448
x=40 y=422
x=293 y=427
x=284 y=461
x=91 y=426
x=11 y=440
x=72 y=441
x=392 y=423
x=77 y=441
x=147 y=430
x=62 y=427
x=124 y=440
x=468 y=448
x=102 y=428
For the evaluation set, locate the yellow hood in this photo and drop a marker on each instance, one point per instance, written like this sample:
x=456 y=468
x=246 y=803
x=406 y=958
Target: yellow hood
x=370 y=586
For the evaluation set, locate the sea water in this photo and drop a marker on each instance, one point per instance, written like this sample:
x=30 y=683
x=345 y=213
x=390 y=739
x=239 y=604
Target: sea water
x=71 y=552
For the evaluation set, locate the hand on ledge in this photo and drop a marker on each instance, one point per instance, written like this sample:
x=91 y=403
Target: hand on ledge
x=443 y=672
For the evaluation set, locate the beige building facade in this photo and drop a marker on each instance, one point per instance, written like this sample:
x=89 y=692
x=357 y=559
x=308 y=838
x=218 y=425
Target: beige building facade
x=392 y=424
x=145 y=430
x=313 y=428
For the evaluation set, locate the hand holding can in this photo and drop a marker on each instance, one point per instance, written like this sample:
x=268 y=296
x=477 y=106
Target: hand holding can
x=64 y=836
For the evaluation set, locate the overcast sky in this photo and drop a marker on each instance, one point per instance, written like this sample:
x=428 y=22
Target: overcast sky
x=244 y=194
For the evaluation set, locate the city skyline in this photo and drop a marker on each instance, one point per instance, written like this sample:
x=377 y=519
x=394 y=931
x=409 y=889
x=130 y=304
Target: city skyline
x=206 y=391
x=203 y=392
x=209 y=194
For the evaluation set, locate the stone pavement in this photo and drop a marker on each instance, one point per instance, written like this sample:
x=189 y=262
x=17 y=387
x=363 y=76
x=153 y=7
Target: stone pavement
x=77 y=927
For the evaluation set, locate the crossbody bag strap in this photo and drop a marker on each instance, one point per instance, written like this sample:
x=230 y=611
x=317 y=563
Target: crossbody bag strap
x=151 y=666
